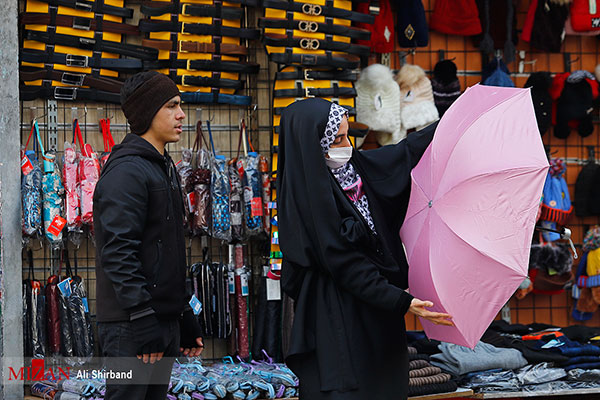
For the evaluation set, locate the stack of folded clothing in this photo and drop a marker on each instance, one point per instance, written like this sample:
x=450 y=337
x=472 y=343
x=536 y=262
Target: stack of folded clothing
x=426 y=379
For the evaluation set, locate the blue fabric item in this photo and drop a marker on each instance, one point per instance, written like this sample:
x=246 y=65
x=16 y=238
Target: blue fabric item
x=497 y=74
x=460 y=360
x=413 y=336
x=583 y=366
x=579 y=315
x=571 y=348
x=200 y=98
x=582 y=359
x=581 y=268
x=556 y=195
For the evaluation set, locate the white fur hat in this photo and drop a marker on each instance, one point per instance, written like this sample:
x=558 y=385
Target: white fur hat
x=378 y=103
x=416 y=98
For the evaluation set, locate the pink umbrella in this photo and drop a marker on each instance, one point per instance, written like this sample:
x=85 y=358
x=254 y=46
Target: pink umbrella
x=474 y=198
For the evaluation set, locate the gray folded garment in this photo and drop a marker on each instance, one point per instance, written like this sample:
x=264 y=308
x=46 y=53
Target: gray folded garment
x=459 y=360
x=427 y=371
x=412 y=350
x=429 y=380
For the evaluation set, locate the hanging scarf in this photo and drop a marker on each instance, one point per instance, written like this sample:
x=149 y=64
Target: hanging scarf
x=346 y=175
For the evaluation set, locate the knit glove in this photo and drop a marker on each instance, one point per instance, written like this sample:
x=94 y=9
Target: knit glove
x=189 y=329
x=148 y=335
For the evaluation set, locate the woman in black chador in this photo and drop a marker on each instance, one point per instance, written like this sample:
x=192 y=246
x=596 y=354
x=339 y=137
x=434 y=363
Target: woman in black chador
x=339 y=214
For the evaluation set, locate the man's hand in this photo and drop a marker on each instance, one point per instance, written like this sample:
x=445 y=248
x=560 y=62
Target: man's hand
x=417 y=307
x=149 y=339
x=194 y=351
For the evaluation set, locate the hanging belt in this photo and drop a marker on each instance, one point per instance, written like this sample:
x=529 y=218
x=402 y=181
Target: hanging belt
x=216 y=29
x=199 y=98
x=155 y=9
x=69 y=78
x=341 y=61
x=92 y=6
x=311 y=74
x=279 y=110
x=191 y=80
x=186 y=46
x=312 y=26
x=86 y=24
x=74 y=60
x=335 y=91
x=272 y=39
x=131 y=50
x=68 y=93
x=317 y=10
x=205 y=65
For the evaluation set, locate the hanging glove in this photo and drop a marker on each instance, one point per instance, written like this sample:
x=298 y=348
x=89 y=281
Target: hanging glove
x=148 y=335
x=189 y=329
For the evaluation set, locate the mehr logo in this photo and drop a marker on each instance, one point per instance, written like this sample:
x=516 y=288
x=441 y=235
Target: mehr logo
x=37 y=372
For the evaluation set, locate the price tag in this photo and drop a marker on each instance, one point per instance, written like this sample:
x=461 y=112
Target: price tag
x=244 y=281
x=57 y=225
x=65 y=287
x=26 y=165
x=273 y=289
x=191 y=198
x=196 y=305
x=231 y=282
x=85 y=304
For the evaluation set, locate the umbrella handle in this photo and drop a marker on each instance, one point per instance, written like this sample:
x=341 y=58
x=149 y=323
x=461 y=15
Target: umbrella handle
x=565 y=233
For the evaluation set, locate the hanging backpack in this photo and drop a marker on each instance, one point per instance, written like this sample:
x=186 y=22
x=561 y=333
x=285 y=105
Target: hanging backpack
x=31 y=189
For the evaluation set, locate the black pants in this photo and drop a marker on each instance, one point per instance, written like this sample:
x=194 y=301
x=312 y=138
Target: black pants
x=147 y=381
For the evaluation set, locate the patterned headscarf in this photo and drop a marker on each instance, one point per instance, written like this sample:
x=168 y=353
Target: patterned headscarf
x=346 y=175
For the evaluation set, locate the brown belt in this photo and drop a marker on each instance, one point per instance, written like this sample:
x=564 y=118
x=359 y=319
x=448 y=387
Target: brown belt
x=86 y=24
x=69 y=78
x=186 y=46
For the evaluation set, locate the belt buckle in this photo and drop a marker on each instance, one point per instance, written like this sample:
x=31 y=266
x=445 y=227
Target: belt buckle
x=309 y=44
x=183 y=78
x=85 y=6
x=183 y=9
x=89 y=42
x=306 y=77
x=182 y=27
x=74 y=60
x=311 y=9
x=180 y=47
x=308 y=26
x=69 y=78
x=188 y=66
x=65 y=93
x=82 y=23
x=308 y=59
x=306 y=93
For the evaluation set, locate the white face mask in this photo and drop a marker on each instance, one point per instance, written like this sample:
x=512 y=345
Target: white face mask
x=338 y=156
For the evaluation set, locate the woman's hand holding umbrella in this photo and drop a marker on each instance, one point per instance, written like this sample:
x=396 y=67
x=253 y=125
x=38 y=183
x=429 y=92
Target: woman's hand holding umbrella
x=417 y=307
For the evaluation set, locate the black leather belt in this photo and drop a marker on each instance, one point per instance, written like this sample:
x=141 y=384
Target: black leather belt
x=335 y=91
x=317 y=10
x=216 y=29
x=70 y=78
x=191 y=80
x=205 y=65
x=98 y=7
x=154 y=9
x=312 y=26
x=86 y=24
x=74 y=60
x=188 y=46
x=68 y=93
x=311 y=74
x=341 y=61
x=131 y=50
x=272 y=39
x=215 y=97
x=279 y=110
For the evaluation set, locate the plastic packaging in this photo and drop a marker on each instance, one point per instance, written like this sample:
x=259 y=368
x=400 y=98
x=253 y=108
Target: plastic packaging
x=184 y=171
x=200 y=185
x=220 y=189
x=263 y=167
x=539 y=373
x=253 y=209
x=89 y=173
x=53 y=192
x=235 y=203
x=70 y=175
x=31 y=194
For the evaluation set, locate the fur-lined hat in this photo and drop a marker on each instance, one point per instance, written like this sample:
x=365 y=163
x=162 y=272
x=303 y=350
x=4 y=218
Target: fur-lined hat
x=417 y=108
x=378 y=103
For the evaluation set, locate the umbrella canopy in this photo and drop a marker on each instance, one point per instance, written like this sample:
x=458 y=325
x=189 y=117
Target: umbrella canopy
x=474 y=198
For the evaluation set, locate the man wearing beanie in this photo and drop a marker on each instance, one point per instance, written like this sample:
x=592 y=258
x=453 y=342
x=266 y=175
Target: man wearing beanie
x=144 y=319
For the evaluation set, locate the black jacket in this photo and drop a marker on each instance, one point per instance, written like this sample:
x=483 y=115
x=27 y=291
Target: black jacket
x=138 y=223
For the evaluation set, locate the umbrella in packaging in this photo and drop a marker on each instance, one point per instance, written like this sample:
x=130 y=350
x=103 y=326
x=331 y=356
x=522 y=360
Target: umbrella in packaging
x=472 y=210
x=89 y=173
x=199 y=184
x=31 y=189
x=220 y=190
x=107 y=139
x=70 y=175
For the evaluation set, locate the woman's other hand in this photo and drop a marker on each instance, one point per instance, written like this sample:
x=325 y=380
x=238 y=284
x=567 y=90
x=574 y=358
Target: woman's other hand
x=419 y=308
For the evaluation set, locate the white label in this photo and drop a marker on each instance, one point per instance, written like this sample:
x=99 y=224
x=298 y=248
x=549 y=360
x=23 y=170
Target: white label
x=65 y=287
x=273 y=289
x=244 y=281
x=231 y=282
x=196 y=305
